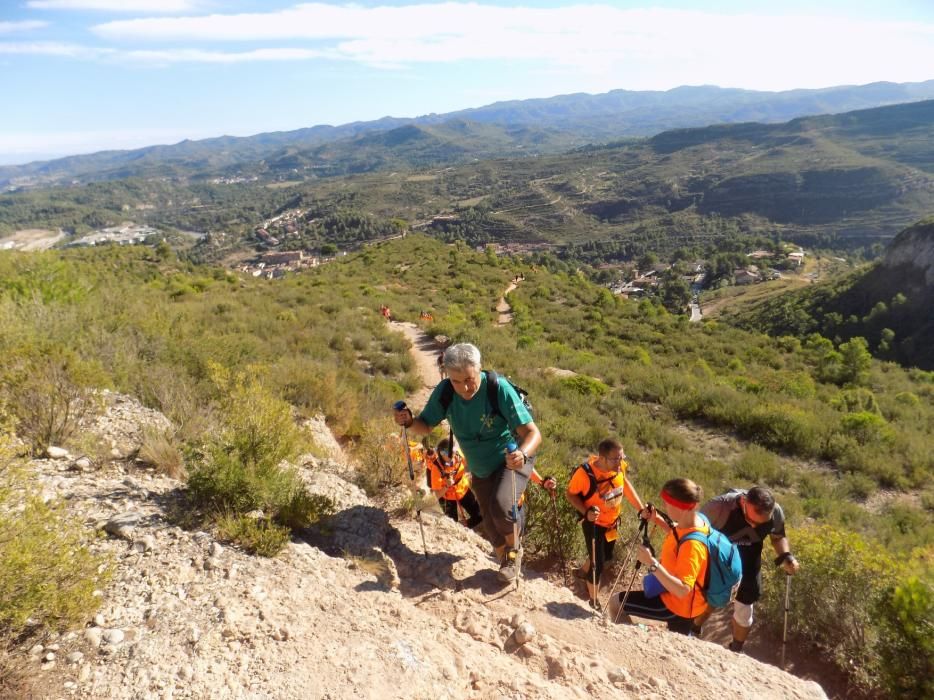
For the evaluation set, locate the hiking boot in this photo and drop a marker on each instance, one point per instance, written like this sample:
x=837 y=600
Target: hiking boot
x=735 y=646
x=696 y=631
x=511 y=565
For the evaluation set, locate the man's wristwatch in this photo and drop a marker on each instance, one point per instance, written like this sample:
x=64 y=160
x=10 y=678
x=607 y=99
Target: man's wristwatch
x=783 y=557
x=653 y=568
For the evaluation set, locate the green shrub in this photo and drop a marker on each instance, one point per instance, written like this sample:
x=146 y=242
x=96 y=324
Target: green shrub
x=835 y=596
x=47 y=573
x=906 y=639
x=49 y=394
x=585 y=386
x=242 y=469
x=867 y=428
x=760 y=466
x=256 y=535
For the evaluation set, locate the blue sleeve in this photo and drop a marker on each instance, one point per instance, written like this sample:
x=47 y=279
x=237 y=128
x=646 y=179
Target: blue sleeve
x=432 y=413
x=511 y=406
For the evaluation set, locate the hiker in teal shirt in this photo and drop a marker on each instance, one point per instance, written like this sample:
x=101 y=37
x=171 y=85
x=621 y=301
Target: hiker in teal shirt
x=484 y=429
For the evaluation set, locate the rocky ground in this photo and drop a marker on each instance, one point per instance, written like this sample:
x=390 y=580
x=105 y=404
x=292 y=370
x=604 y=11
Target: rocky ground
x=353 y=610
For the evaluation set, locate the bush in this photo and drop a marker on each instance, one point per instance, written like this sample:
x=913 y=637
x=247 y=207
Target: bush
x=906 y=639
x=256 y=535
x=242 y=469
x=835 y=595
x=47 y=574
x=49 y=395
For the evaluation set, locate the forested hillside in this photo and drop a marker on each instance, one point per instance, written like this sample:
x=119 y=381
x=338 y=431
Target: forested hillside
x=889 y=303
x=846 y=451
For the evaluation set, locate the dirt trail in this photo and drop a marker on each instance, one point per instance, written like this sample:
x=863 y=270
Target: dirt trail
x=424 y=352
x=503 y=307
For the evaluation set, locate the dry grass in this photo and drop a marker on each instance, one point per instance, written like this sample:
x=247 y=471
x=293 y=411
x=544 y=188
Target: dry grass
x=160 y=451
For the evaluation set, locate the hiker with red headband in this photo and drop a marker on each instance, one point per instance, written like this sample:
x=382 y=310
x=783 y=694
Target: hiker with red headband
x=679 y=571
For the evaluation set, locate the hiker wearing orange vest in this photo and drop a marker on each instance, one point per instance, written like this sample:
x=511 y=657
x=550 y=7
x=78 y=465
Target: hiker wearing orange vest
x=680 y=570
x=449 y=480
x=596 y=491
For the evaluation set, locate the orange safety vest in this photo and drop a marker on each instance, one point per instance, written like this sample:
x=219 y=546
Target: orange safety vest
x=604 y=490
x=453 y=476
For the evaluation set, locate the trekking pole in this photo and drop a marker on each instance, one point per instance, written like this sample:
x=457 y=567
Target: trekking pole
x=593 y=570
x=630 y=549
x=564 y=566
x=785 y=626
x=510 y=448
x=646 y=542
x=400 y=406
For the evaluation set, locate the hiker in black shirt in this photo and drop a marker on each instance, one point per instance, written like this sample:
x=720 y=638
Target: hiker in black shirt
x=747 y=518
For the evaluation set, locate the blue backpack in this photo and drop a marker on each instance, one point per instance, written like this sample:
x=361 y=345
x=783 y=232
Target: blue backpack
x=724 y=567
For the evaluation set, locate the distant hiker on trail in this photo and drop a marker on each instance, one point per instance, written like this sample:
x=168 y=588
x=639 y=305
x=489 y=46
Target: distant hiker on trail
x=384 y=312
x=486 y=414
x=679 y=571
x=747 y=517
x=449 y=479
x=596 y=491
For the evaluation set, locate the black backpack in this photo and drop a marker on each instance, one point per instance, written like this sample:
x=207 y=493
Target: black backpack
x=492 y=394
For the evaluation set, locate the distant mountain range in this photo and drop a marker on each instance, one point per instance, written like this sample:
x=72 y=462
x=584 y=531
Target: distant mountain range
x=503 y=129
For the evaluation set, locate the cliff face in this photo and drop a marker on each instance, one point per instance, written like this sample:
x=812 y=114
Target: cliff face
x=914 y=247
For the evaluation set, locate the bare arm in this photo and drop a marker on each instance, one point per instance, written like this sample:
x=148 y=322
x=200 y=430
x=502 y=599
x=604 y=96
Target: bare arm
x=530 y=438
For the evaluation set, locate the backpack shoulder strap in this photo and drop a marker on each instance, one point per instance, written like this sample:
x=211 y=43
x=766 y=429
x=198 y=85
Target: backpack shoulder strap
x=447 y=394
x=593 y=480
x=492 y=391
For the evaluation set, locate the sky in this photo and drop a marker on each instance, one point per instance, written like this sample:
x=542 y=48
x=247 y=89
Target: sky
x=78 y=76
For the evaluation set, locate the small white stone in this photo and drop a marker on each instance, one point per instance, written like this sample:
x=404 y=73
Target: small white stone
x=94 y=635
x=85 y=673
x=113 y=636
x=49 y=656
x=75 y=657
x=524 y=633
x=620 y=675
x=70 y=685
x=56 y=452
x=99 y=620
x=194 y=634
x=215 y=549
x=37 y=649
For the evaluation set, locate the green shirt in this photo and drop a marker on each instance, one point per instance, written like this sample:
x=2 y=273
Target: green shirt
x=482 y=433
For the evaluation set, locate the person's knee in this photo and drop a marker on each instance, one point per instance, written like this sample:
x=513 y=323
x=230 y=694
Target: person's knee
x=742 y=614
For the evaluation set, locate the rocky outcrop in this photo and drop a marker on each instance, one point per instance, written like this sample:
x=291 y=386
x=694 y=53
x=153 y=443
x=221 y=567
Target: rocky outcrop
x=914 y=247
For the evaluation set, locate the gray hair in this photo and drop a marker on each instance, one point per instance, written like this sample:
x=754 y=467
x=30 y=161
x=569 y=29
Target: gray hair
x=462 y=356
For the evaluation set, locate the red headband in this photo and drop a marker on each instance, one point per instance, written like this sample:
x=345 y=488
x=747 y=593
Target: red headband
x=672 y=501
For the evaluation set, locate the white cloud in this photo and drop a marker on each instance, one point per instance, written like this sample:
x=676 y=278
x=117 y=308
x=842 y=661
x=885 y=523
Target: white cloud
x=161 y=6
x=54 y=48
x=640 y=48
x=201 y=56
x=157 y=56
x=27 y=26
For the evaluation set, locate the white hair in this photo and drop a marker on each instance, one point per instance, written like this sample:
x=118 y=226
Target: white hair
x=462 y=356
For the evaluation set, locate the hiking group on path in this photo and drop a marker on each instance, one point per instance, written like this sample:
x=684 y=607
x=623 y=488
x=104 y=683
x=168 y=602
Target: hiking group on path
x=710 y=552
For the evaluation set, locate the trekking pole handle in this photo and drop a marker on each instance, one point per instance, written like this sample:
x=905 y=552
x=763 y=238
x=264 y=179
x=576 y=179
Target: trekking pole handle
x=402 y=406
